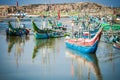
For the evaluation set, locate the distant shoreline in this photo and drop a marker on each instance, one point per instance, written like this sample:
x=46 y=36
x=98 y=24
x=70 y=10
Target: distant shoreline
x=66 y=9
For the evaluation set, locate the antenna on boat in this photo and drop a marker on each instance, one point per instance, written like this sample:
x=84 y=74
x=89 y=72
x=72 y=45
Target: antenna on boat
x=72 y=27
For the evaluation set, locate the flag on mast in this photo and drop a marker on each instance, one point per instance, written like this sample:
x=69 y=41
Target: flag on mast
x=17 y=3
x=59 y=15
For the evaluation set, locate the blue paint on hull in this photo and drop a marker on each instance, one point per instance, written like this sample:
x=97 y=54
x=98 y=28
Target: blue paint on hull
x=83 y=49
x=41 y=35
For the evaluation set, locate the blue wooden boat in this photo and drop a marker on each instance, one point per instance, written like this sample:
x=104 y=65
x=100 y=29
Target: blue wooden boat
x=39 y=33
x=116 y=42
x=12 y=31
x=83 y=49
x=91 y=33
x=85 y=45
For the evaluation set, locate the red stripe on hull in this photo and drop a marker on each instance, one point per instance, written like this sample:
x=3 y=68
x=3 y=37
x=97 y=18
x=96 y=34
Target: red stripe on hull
x=85 y=42
x=116 y=45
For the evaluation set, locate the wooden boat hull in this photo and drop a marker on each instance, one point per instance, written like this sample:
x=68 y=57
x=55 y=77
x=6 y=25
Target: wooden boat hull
x=16 y=32
x=84 y=49
x=41 y=35
x=11 y=31
x=117 y=46
x=85 y=45
x=108 y=26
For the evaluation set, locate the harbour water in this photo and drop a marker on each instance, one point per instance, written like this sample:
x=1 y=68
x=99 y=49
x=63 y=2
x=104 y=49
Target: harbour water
x=27 y=58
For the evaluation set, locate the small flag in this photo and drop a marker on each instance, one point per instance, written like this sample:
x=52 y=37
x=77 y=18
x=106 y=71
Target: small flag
x=17 y=3
x=59 y=15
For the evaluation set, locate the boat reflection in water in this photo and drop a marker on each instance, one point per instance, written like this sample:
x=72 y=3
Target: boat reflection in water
x=16 y=45
x=107 y=52
x=39 y=44
x=43 y=49
x=84 y=66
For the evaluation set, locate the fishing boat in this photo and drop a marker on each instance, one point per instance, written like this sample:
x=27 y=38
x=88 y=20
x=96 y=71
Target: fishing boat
x=85 y=45
x=111 y=24
x=110 y=30
x=84 y=49
x=85 y=41
x=39 y=33
x=116 y=45
x=56 y=30
x=116 y=42
x=107 y=26
x=117 y=20
x=16 y=31
x=107 y=38
x=91 y=33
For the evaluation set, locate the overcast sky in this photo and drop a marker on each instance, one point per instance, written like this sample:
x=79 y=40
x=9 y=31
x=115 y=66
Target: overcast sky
x=112 y=3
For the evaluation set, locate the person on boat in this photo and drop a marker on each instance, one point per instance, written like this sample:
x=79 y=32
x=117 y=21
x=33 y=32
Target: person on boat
x=50 y=24
x=18 y=22
x=44 y=24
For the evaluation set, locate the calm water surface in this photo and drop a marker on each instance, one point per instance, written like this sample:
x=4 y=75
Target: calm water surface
x=25 y=58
